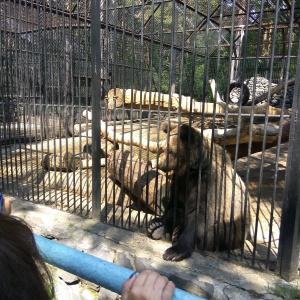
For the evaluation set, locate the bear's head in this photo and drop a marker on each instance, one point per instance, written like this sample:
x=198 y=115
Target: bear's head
x=181 y=150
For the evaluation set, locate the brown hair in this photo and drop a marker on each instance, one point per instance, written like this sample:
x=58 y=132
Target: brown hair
x=23 y=273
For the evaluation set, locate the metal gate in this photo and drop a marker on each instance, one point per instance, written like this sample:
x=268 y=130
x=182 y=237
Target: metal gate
x=85 y=86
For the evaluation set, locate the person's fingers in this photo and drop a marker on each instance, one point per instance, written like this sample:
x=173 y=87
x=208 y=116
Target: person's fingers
x=160 y=283
x=148 y=285
x=151 y=280
x=146 y=278
x=127 y=285
x=168 y=291
x=6 y=207
x=163 y=288
x=144 y=286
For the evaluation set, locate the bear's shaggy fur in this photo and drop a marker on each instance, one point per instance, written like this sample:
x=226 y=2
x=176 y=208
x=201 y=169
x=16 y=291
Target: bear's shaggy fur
x=205 y=208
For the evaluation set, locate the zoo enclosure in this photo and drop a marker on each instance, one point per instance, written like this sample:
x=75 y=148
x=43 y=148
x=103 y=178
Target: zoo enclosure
x=62 y=59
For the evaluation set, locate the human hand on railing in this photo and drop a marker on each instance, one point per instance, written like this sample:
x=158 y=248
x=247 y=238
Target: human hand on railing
x=148 y=285
x=5 y=206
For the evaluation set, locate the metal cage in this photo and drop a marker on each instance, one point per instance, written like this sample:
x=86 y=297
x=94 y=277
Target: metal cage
x=86 y=85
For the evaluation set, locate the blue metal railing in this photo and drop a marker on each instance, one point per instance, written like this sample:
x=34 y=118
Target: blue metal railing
x=91 y=268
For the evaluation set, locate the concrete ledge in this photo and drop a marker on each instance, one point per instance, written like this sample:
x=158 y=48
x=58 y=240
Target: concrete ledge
x=204 y=276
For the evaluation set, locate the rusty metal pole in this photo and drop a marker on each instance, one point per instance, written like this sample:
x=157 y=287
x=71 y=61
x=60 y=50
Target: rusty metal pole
x=289 y=241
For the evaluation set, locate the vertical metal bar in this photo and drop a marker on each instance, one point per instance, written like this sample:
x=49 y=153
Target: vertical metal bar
x=10 y=91
x=235 y=165
x=70 y=104
x=24 y=93
x=219 y=199
x=208 y=182
x=289 y=240
x=86 y=96
x=78 y=63
x=4 y=94
x=27 y=104
x=142 y=62
x=41 y=74
x=192 y=79
x=114 y=81
x=61 y=68
x=123 y=86
x=172 y=80
x=47 y=106
x=54 y=75
x=252 y=115
x=2 y=88
x=95 y=87
x=193 y=75
x=18 y=70
x=288 y=62
x=233 y=11
x=65 y=53
x=149 y=83
x=107 y=67
x=160 y=68
x=243 y=75
x=51 y=76
x=35 y=75
x=265 y=126
x=131 y=105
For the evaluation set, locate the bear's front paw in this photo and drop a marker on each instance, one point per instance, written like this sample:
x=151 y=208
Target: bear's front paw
x=177 y=253
x=156 y=229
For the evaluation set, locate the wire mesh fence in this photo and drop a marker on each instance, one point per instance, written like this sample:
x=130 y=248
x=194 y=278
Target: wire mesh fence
x=84 y=91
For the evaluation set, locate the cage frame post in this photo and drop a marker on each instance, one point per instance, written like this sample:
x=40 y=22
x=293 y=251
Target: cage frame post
x=95 y=92
x=289 y=239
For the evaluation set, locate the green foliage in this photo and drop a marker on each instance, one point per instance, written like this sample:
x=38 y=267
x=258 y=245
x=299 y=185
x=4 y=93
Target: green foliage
x=49 y=291
x=285 y=292
x=145 y=65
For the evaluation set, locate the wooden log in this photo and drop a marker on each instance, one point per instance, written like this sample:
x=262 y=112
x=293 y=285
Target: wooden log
x=119 y=138
x=65 y=162
x=257 y=134
x=69 y=161
x=139 y=178
x=230 y=134
x=257 y=139
x=260 y=109
x=87 y=114
x=115 y=98
x=81 y=128
x=214 y=91
x=71 y=182
x=156 y=100
x=275 y=90
x=73 y=144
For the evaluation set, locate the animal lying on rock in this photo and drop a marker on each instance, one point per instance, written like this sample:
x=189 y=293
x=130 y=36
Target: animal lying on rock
x=208 y=209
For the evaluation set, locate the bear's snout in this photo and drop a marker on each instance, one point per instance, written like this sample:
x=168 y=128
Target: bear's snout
x=161 y=164
x=166 y=163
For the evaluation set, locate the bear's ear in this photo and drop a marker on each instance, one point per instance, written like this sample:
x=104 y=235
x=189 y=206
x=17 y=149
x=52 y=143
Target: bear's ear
x=185 y=130
x=165 y=126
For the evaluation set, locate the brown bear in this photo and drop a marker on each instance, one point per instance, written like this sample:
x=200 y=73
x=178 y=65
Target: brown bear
x=209 y=208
